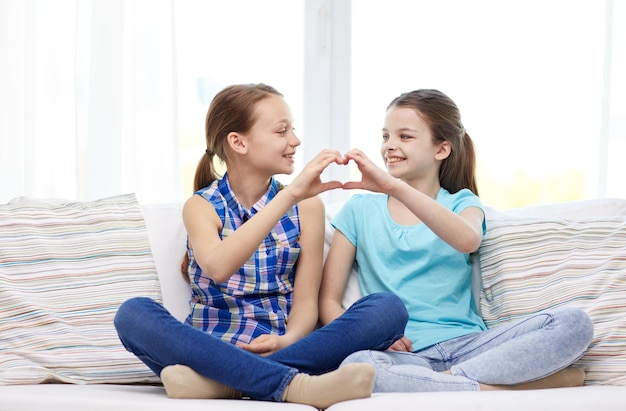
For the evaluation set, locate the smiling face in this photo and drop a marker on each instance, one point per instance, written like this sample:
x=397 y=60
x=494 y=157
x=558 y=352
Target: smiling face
x=408 y=148
x=271 y=141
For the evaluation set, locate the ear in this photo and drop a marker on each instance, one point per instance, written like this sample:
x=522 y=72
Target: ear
x=237 y=143
x=443 y=151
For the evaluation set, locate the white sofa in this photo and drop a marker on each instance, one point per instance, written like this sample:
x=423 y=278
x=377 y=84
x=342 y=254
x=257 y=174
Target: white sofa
x=550 y=248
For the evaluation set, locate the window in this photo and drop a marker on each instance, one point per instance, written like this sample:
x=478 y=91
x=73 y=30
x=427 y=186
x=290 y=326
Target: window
x=224 y=43
x=528 y=77
x=102 y=98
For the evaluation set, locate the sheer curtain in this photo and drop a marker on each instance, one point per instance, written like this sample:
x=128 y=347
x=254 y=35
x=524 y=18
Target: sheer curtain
x=102 y=97
x=87 y=108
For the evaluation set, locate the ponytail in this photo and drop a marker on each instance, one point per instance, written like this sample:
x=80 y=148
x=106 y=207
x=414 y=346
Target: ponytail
x=458 y=170
x=205 y=172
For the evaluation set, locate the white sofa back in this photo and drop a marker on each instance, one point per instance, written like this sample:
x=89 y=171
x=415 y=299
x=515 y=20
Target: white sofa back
x=167 y=239
x=167 y=235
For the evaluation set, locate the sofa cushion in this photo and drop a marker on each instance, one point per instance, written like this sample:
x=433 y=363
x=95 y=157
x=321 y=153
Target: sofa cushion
x=530 y=264
x=65 y=267
x=128 y=397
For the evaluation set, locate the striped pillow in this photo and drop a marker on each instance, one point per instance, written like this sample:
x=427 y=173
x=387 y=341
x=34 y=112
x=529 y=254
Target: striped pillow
x=533 y=264
x=64 y=270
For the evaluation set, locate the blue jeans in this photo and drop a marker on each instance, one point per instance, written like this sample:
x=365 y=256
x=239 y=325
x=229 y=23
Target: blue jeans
x=524 y=351
x=158 y=339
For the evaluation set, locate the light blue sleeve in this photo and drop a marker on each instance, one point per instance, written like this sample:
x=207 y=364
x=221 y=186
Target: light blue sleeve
x=465 y=198
x=346 y=217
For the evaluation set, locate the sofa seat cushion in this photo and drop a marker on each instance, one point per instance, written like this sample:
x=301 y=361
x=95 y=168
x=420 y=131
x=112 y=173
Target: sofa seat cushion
x=65 y=268
x=107 y=397
x=603 y=398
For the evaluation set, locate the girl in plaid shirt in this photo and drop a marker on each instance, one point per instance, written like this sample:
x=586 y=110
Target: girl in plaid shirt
x=254 y=261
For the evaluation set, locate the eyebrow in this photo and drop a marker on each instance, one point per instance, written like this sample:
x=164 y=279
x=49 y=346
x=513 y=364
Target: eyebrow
x=283 y=122
x=403 y=129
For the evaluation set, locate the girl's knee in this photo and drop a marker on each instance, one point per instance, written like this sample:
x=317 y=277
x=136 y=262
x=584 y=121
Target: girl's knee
x=378 y=359
x=399 y=310
x=129 y=314
x=359 y=357
x=575 y=327
x=394 y=310
x=577 y=322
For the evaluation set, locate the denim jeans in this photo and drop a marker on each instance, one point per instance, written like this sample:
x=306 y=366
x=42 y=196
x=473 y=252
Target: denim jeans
x=158 y=339
x=523 y=351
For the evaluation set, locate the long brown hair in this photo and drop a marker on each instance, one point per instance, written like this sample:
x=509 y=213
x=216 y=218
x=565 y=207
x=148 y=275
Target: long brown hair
x=231 y=110
x=442 y=115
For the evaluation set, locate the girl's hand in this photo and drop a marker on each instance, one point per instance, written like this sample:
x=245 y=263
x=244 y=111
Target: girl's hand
x=308 y=183
x=264 y=345
x=373 y=178
x=402 y=345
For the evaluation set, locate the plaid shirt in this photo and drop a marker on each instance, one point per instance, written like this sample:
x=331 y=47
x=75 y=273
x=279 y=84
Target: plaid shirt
x=256 y=300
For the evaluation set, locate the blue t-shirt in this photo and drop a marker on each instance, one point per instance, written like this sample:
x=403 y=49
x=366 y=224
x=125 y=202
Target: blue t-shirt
x=430 y=277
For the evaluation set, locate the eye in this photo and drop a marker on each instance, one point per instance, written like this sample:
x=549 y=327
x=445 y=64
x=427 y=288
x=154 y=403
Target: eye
x=282 y=131
x=385 y=137
x=404 y=136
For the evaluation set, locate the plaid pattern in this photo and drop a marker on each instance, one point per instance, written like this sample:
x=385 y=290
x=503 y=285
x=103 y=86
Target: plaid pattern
x=256 y=300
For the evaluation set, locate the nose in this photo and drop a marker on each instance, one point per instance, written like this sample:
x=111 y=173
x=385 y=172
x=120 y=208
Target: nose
x=388 y=145
x=295 y=141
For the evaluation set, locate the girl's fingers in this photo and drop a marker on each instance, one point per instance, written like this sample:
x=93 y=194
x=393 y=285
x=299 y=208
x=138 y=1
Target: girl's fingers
x=331 y=185
x=308 y=183
x=351 y=185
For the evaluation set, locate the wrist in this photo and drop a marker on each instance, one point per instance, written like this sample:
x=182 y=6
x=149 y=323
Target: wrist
x=290 y=196
x=287 y=339
x=396 y=188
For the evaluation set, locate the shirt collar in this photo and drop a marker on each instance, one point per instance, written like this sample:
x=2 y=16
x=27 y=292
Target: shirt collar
x=234 y=204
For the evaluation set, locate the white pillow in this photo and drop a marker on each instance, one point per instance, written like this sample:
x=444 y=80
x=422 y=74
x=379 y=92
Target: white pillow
x=532 y=264
x=352 y=292
x=168 y=240
x=65 y=267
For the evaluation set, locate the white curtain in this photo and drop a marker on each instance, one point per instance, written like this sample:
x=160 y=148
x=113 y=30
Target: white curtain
x=90 y=90
x=88 y=101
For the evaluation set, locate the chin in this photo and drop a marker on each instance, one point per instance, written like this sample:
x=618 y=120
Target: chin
x=392 y=171
x=286 y=171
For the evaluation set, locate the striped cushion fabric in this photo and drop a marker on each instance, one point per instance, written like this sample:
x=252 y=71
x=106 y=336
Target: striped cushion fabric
x=533 y=264
x=64 y=270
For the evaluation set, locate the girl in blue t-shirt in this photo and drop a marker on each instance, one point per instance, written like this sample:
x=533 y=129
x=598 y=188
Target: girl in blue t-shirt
x=254 y=262
x=413 y=237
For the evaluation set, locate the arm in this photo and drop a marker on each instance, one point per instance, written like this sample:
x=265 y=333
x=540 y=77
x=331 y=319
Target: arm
x=337 y=269
x=221 y=259
x=304 y=309
x=462 y=231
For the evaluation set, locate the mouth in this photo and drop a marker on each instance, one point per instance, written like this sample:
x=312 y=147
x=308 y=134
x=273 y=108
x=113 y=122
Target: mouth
x=392 y=160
